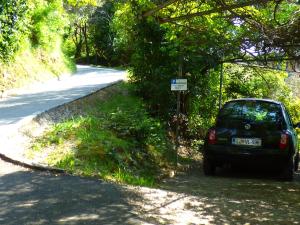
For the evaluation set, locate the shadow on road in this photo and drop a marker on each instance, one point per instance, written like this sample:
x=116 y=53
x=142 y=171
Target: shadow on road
x=39 y=198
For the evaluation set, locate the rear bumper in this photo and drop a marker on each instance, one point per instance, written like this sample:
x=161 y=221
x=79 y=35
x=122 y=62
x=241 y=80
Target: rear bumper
x=238 y=155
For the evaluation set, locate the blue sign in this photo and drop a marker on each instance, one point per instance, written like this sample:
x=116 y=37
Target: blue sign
x=178 y=84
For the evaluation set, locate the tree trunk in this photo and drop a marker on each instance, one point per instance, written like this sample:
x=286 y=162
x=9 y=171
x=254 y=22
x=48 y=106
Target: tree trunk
x=77 y=41
x=87 y=50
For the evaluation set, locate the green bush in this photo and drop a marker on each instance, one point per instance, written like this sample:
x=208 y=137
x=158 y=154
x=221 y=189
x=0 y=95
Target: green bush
x=13 y=25
x=48 y=23
x=31 y=39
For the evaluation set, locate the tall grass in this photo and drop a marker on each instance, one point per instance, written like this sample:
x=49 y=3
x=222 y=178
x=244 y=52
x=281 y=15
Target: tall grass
x=117 y=140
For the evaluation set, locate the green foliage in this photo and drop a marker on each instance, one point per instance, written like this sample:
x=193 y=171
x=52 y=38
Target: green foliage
x=244 y=81
x=152 y=65
x=101 y=36
x=91 y=38
x=32 y=34
x=81 y=3
x=293 y=106
x=247 y=81
x=156 y=54
x=79 y=13
x=197 y=44
x=13 y=23
x=117 y=140
x=48 y=23
x=122 y=25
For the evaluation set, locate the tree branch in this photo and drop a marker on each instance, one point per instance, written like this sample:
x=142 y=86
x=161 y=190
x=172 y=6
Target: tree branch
x=214 y=10
x=160 y=7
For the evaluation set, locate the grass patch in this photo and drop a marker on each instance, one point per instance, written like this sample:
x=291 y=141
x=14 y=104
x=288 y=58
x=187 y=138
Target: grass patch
x=116 y=140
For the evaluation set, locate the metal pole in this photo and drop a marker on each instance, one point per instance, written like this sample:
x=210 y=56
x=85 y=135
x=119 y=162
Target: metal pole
x=177 y=126
x=178 y=113
x=221 y=86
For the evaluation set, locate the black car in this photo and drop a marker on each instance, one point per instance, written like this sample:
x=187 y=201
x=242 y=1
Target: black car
x=252 y=132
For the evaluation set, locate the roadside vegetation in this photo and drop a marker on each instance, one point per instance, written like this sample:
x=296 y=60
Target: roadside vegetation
x=32 y=42
x=116 y=140
x=170 y=40
x=254 y=44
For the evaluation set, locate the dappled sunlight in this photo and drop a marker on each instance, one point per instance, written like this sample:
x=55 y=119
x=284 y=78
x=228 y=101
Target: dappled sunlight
x=159 y=206
x=41 y=198
x=77 y=218
x=27 y=204
x=230 y=198
x=238 y=198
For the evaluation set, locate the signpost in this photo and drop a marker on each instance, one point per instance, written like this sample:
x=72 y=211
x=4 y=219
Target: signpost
x=178 y=85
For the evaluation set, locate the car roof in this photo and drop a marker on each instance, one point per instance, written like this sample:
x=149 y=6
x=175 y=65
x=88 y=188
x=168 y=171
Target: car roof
x=255 y=99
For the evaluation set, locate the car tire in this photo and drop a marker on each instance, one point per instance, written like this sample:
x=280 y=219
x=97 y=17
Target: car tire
x=209 y=167
x=297 y=162
x=288 y=171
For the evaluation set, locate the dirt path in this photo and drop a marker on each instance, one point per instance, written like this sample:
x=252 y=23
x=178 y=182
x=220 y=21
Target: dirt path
x=229 y=198
x=221 y=200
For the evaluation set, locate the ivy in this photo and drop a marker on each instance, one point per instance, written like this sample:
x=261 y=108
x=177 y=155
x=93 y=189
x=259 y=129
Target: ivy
x=13 y=24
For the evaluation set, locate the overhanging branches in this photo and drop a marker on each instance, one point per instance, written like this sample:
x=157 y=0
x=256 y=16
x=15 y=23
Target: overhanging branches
x=217 y=9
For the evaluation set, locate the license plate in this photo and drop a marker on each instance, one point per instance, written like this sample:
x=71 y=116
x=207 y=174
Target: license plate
x=246 y=141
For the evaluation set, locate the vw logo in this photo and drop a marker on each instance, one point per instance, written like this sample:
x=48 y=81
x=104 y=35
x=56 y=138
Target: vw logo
x=247 y=126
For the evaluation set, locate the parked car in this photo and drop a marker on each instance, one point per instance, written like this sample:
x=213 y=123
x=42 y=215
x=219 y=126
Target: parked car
x=252 y=132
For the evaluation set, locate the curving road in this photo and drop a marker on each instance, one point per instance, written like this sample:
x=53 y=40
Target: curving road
x=26 y=103
x=42 y=97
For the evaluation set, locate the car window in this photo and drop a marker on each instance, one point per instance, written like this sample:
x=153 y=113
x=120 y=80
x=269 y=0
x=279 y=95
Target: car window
x=289 y=120
x=252 y=111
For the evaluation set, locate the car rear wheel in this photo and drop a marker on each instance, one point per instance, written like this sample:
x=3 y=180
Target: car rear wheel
x=209 y=167
x=288 y=171
x=297 y=162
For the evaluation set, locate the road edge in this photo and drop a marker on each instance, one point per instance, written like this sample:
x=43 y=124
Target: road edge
x=36 y=166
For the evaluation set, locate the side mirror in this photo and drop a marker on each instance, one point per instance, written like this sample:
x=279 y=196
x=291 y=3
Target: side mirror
x=297 y=125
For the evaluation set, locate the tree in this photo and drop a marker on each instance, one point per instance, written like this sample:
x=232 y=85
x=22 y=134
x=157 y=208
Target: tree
x=101 y=35
x=80 y=12
x=13 y=23
x=201 y=35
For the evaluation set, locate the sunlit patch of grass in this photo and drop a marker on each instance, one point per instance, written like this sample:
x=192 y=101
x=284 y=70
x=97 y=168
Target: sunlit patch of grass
x=116 y=140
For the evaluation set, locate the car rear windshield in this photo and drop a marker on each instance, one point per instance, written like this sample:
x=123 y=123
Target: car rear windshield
x=258 y=112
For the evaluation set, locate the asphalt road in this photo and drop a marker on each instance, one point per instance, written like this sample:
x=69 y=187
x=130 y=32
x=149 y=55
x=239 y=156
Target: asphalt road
x=30 y=197
x=41 y=97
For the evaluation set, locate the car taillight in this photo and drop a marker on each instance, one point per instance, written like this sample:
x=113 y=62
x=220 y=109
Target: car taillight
x=212 y=137
x=284 y=141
